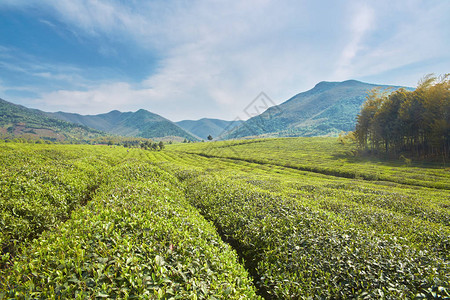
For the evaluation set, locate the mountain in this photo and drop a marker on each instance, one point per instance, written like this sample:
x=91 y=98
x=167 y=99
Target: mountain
x=325 y=110
x=141 y=123
x=204 y=127
x=19 y=121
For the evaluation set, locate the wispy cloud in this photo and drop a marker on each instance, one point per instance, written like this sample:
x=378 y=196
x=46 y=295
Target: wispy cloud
x=102 y=98
x=26 y=65
x=214 y=57
x=48 y=23
x=361 y=22
x=412 y=33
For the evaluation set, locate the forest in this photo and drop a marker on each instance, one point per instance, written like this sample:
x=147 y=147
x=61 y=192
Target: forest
x=416 y=123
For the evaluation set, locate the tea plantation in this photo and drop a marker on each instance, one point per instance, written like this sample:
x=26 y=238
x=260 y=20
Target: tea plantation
x=293 y=218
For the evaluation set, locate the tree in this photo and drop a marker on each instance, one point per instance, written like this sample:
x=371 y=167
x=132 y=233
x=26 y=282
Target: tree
x=387 y=126
x=210 y=138
x=161 y=145
x=364 y=126
x=437 y=116
x=417 y=122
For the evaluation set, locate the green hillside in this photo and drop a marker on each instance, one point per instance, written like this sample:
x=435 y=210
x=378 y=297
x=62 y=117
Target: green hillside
x=325 y=110
x=103 y=122
x=19 y=121
x=205 y=127
x=141 y=123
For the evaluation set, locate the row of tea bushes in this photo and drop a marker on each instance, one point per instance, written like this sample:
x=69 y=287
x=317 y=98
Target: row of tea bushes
x=137 y=238
x=299 y=250
x=415 y=216
x=326 y=156
x=40 y=186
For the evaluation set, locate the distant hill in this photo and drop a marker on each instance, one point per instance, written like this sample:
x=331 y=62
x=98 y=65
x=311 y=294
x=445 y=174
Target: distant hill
x=204 y=127
x=141 y=123
x=19 y=121
x=325 y=110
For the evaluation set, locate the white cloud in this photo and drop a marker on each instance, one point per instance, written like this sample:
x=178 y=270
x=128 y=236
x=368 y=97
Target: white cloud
x=48 y=23
x=403 y=34
x=215 y=63
x=68 y=76
x=103 y=98
x=362 y=22
x=217 y=56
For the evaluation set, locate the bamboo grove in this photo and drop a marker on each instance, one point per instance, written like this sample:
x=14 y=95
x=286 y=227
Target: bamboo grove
x=415 y=122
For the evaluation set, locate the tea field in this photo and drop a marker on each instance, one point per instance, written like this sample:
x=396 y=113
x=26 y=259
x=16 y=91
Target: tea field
x=294 y=218
x=326 y=156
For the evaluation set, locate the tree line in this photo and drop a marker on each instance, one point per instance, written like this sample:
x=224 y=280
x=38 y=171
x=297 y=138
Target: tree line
x=152 y=146
x=414 y=122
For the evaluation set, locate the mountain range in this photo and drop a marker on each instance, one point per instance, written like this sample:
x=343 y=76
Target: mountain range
x=141 y=123
x=204 y=127
x=326 y=110
x=19 y=121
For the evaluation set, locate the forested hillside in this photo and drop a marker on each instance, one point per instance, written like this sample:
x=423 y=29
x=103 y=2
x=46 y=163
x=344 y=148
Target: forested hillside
x=141 y=123
x=22 y=122
x=326 y=110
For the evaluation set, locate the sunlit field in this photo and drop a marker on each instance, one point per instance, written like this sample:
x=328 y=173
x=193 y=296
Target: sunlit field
x=274 y=218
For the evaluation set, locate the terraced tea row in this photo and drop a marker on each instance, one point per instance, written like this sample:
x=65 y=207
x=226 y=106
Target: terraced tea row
x=297 y=249
x=41 y=185
x=142 y=234
x=401 y=230
x=326 y=156
x=137 y=238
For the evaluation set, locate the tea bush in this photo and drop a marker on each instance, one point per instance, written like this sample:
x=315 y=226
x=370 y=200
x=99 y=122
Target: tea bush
x=137 y=238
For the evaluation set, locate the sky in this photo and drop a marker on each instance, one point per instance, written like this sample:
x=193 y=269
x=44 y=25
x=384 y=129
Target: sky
x=193 y=59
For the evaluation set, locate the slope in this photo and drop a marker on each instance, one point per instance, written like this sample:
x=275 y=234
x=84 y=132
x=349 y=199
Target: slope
x=19 y=121
x=141 y=123
x=325 y=110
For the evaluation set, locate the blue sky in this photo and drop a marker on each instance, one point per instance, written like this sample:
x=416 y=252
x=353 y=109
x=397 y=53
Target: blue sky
x=194 y=59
